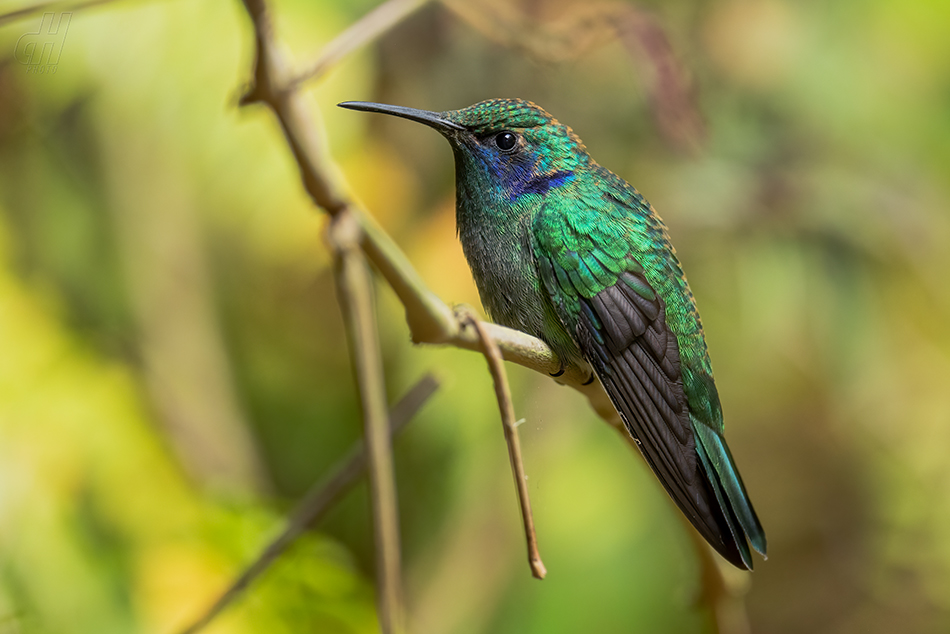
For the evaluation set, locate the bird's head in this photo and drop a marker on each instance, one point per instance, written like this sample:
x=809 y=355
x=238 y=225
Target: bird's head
x=510 y=147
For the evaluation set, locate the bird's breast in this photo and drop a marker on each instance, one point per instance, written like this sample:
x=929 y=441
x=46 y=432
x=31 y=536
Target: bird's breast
x=505 y=275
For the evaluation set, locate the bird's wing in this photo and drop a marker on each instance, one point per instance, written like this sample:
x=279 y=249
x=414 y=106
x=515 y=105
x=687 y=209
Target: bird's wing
x=592 y=271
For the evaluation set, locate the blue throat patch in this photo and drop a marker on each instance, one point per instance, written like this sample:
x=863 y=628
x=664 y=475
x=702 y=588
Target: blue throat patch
x=539 y=184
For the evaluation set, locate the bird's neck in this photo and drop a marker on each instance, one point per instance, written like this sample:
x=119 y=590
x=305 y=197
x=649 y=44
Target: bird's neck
x=498 y=195
x=488 y=220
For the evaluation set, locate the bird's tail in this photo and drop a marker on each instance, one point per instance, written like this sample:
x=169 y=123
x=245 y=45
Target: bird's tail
x=730 y=492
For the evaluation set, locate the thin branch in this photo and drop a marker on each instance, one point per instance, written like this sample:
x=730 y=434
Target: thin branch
x=429 y=318
x=354 y=287
x=271 y=73
x=319 y=499
x=503 y=394
x=361 y=33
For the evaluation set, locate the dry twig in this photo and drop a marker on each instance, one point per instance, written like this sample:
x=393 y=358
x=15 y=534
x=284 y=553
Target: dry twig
x=430 y=320
x=503 y=394
x=354 y=287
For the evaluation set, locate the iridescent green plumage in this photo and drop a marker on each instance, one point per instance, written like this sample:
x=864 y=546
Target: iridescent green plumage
x=565 y=250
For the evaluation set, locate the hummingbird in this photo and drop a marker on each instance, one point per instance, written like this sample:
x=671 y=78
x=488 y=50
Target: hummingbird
x=565 y=250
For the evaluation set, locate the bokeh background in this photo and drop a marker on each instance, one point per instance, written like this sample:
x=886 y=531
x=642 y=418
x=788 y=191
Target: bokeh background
x=173 y=374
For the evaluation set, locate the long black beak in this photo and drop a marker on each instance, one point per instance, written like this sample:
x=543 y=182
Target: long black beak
x=431 y=119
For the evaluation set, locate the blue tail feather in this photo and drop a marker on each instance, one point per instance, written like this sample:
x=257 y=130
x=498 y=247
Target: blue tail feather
x=720 y=467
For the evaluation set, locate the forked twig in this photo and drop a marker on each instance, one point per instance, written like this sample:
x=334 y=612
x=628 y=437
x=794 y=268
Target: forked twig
x=503 y=393
x=319 y=499
x=430 y=320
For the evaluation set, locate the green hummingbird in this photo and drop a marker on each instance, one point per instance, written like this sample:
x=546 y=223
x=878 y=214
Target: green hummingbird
x=565 y=250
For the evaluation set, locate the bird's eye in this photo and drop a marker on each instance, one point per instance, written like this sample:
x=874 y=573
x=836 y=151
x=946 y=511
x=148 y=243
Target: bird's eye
x=506 y=141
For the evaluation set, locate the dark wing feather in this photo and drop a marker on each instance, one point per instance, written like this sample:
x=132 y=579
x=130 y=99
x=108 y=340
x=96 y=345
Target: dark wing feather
x=625 y=337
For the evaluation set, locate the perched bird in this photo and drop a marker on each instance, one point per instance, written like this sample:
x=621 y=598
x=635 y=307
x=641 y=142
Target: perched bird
x=565 y=250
